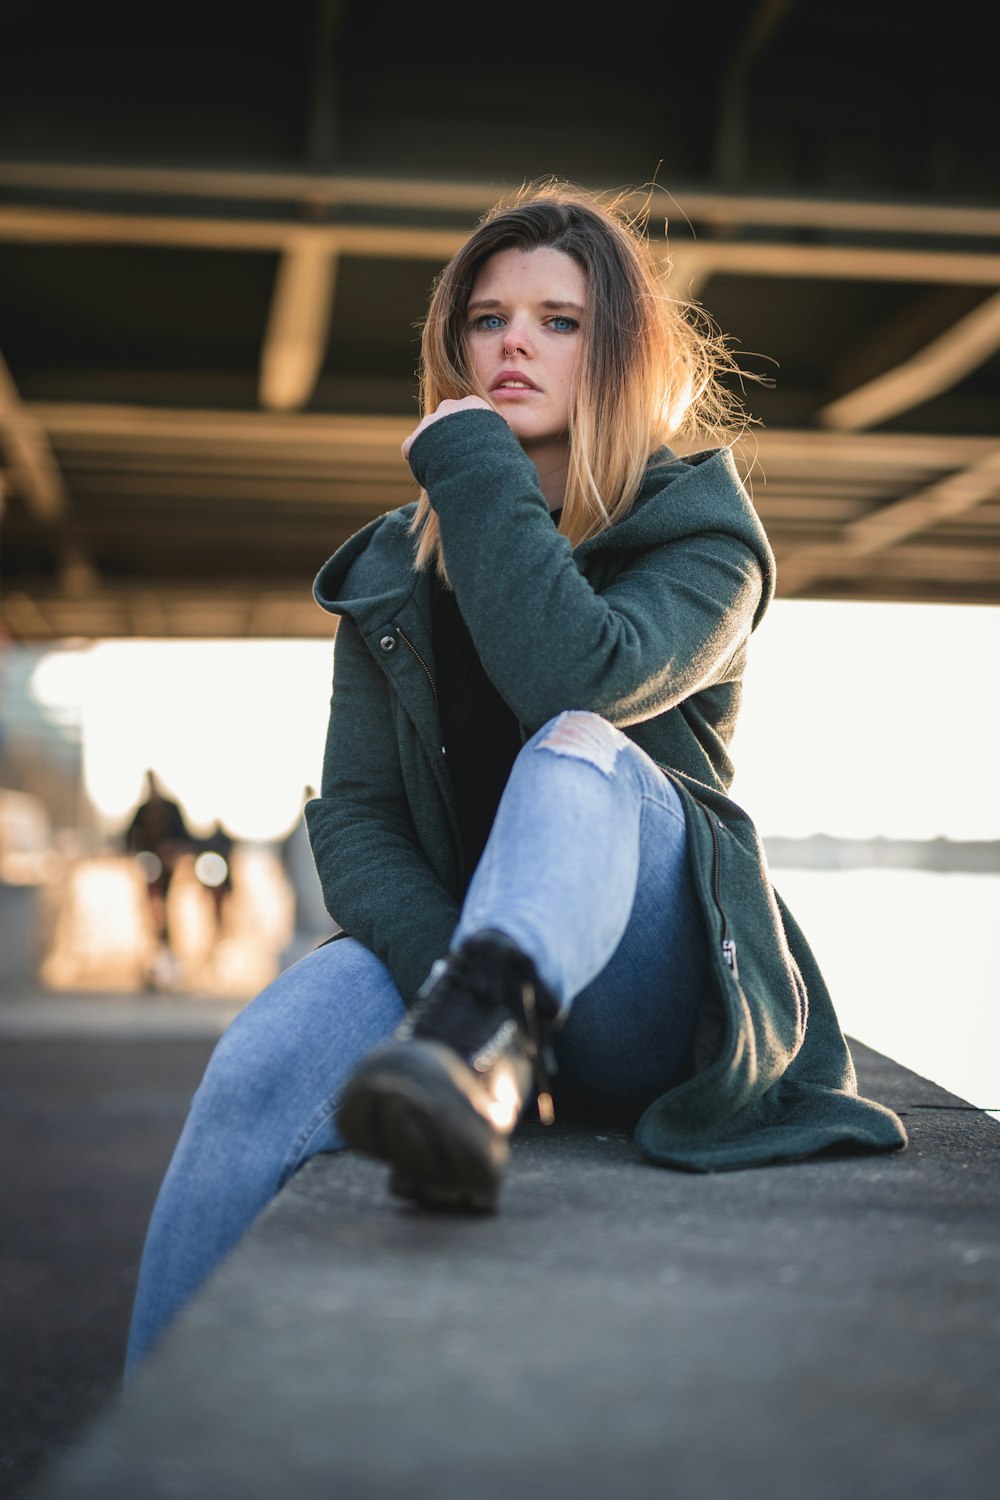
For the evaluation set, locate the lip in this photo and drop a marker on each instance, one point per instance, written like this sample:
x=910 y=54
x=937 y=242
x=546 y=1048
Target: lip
x=498 y=387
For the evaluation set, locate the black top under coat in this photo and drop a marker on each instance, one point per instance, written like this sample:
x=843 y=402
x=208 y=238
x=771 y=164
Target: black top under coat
x=482 y=737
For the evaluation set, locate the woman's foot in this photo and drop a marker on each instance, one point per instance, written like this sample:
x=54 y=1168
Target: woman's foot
x=441 y=1098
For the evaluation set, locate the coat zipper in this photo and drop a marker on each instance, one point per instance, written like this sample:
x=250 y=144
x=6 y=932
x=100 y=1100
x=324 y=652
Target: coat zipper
x=427 y=671
x=408 y=642
x=728 y=943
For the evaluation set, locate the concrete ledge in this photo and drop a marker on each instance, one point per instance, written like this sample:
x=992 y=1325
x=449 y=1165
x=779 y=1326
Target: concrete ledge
x=808 y=1332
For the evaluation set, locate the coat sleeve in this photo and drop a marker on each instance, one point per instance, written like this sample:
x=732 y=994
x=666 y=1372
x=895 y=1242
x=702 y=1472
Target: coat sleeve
x=667 y=625
x=376 y=882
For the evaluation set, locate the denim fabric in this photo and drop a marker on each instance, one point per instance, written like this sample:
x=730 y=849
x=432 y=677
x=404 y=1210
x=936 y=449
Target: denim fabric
x=586 y=868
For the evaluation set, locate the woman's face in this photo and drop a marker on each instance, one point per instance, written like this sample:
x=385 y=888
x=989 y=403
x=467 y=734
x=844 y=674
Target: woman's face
x=524 y=340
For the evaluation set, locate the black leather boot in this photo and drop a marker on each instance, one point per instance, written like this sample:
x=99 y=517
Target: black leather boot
x=440 y=1099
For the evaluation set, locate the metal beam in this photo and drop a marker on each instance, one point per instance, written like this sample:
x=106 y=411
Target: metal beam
x=36 y=474
x=729 y=154
x=173 y=610
x=301 y=441
x=101 y=227
x=158 y=483
x=936 y=367
x=413 y=242
x=367 y=439
x=298 y=326
x=964 y=568
x=33 y=470
x=24 y=617
x=793 y=451
x=924 y=562
x=843 y=262
x=949 y=575
x=889 y=524
x=323 y=191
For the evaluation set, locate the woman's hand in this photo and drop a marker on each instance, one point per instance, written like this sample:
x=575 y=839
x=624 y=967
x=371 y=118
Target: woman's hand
x=446 y=409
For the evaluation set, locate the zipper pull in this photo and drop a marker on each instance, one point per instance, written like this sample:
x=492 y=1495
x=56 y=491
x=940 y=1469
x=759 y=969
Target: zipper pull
x=729 y=955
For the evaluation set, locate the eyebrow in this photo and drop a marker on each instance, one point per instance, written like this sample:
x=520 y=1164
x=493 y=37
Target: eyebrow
x=495 y=302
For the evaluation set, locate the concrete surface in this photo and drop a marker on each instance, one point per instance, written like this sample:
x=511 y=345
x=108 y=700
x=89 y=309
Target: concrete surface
x=806 y=1332
x=88 y=1121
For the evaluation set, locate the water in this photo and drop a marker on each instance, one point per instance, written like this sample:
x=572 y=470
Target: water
x=910 y=958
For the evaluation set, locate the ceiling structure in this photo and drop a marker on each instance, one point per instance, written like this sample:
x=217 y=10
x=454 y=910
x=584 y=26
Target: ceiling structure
x=218 y=232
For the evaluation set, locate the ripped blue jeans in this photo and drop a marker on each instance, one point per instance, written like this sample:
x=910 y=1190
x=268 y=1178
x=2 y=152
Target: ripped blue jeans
x=586 y=869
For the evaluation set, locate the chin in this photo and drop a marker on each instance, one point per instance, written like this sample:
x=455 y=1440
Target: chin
x=530 y=435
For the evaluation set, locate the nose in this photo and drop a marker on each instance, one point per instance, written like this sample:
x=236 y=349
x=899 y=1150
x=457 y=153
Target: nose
x=516 y=339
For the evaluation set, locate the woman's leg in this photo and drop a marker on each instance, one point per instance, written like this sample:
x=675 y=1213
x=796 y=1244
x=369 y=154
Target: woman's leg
x=264 y=1107
x=582 y=912
x=586 y=870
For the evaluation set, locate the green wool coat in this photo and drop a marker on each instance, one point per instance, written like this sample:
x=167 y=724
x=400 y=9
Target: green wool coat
x=646 y=624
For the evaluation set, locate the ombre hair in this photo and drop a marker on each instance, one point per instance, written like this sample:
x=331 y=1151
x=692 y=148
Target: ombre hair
x=650 y=363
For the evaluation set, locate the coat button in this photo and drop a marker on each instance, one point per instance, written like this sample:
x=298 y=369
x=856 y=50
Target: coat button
x=388 y=643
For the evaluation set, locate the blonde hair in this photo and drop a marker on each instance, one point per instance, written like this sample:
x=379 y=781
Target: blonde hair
x=650 y=365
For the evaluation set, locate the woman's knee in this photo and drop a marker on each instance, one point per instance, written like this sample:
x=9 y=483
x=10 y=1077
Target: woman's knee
x=580 y=735
x=245 y=1074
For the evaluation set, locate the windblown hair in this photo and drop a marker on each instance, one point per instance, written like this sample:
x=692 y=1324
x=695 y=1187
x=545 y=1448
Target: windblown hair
x=650 y=366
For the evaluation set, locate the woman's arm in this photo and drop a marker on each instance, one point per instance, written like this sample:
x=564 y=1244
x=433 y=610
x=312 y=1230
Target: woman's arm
x=666 y=626
x=376 y=881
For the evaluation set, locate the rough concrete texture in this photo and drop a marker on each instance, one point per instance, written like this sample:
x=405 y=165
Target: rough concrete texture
x=87 y=1127
x=806 y=1332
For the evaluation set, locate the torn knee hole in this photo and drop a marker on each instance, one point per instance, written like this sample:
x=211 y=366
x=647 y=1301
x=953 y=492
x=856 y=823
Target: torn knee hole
x=586 y=737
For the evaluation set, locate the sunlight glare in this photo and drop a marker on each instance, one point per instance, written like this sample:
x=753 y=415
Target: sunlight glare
x=867 y=719
x=857 y=720
x=234 y=729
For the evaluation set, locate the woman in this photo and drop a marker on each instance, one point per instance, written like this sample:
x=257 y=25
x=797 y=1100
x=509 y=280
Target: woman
x=524 y=830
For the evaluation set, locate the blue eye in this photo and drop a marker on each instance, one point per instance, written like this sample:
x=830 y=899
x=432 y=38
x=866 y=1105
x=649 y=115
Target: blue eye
x=561 y=324
x=488 y=322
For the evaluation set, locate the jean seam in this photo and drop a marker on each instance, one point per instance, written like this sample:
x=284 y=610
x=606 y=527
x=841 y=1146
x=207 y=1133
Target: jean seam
x=658 y=791
x=666 y=805
x=320 y=1117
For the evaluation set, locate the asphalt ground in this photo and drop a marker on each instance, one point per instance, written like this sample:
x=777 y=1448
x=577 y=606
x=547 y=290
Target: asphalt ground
x=804 y=1332
x=88 y=1122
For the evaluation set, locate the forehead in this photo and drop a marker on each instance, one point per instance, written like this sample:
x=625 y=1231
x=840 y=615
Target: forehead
x=539 y=275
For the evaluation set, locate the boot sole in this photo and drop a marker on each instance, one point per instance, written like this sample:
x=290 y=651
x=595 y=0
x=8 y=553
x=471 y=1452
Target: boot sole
x=405 y=1109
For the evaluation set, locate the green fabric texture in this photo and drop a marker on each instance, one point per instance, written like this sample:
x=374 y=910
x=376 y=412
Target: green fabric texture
x=648 y=625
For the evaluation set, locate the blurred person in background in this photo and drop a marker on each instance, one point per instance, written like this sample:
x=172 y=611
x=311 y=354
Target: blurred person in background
x=213 y=869
x=523 y=826
x=158 y=836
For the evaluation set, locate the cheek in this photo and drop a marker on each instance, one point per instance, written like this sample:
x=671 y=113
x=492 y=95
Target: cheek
x=478 y=361
x=568 y=375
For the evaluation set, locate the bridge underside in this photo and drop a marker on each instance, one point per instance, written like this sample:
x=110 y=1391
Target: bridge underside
x=212 y=269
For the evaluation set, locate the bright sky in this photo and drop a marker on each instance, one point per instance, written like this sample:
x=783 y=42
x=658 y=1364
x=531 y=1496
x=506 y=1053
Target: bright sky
x=863 y=719
x=858 y=719
x=233 y=729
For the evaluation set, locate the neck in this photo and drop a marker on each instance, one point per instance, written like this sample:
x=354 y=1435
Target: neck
x=552 y=467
